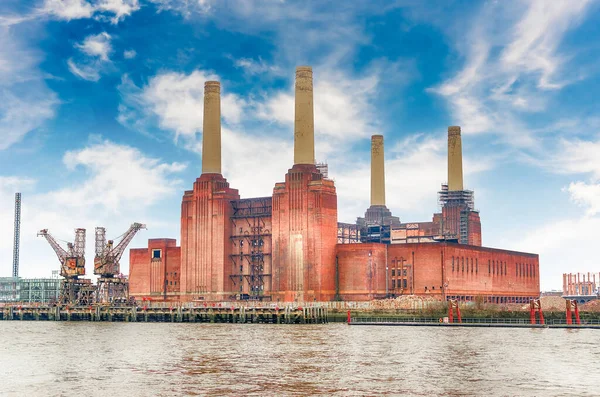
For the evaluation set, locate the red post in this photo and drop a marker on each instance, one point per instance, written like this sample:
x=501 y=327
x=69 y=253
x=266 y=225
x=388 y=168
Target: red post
x=541 y=314
x=577 y=319
x=569 y=304
x=349 y=318
x=532 y=313
x=458 y=313
x=450 y=313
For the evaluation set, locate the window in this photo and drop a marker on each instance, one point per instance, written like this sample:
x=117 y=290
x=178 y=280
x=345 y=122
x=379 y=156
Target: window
x=156 y=254
x=393 y=272
x=452 y=264
x=505 y=268
x=471 y=265
x=463 y=264
x=476 y=265
x=393 y=284
x=489 y=266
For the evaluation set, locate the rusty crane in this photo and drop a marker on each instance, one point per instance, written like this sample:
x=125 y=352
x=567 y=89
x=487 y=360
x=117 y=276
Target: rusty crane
x=73 y=291
x=112 y=287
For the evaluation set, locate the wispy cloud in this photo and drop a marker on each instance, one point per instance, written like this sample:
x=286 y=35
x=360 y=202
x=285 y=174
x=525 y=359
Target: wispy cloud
x=109 y=185
x=112 y=10
x=26 y=103
x=129 y=54
x=95 y=50
x=513 y=64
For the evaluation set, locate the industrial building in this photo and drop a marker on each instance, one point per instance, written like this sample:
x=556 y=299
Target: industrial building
x=30 y=290
x=290 y=247
x=581 y=287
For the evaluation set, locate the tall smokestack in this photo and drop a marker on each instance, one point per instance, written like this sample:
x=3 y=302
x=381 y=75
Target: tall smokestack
x=304 y=123
x=455 y=171
x=377 y=171
x=211 y=128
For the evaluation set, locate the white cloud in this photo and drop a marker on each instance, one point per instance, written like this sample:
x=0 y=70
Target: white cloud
x=108 y=185
x=81 y=9
x=512 y=65
x=68 y=9
x=84 y=71
x=96 y=46
x=119 y=8
x=129 y=54
x=95 y=58
x=342 y=105
x=258 y=66
x=564 y=246
x=415 y=167
x=177 y=101
x=26 y=103
x=586 y=195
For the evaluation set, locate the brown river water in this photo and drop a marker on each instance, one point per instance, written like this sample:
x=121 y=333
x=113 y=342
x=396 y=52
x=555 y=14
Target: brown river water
x=165 y=359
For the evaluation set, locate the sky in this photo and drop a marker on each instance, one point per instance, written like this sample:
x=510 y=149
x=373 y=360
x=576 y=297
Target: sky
x=101 y=107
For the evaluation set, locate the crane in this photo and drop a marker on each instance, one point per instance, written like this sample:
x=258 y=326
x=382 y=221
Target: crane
x=72 y=260
x=106 y=261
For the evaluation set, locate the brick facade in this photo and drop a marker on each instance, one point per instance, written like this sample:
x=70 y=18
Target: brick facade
x=304 y=223
x=154 y=272
x=445 y=270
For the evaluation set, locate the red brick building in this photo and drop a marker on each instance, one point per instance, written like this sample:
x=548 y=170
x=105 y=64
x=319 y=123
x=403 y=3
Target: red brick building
x=287 y=247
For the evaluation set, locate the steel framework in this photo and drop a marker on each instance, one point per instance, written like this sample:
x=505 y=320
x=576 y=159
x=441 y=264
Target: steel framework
x=106 y=261
x=251 y=264
x=111 y=289
x=15 y=272
x=348 y=233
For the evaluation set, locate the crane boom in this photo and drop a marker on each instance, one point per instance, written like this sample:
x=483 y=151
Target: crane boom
x=60 y=252
x=106 y=262
x=72 y=260
x=129 y=234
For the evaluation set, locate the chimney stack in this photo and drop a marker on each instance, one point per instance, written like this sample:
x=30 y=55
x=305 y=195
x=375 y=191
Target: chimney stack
x=304 y=123
x=455 y=171
x=211 y=128
x=377 y=171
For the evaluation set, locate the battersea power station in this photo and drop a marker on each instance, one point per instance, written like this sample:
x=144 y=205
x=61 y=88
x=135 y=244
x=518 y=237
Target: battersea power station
x=290 y=247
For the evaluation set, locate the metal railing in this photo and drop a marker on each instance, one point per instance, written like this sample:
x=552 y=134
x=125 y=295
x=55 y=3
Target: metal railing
x=437 y=320
x=563 y=321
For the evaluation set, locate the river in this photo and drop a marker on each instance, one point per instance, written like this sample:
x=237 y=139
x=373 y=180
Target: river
x=169 y=359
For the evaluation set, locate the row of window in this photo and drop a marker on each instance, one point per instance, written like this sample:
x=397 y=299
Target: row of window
x=493 y=299
x=496 y=268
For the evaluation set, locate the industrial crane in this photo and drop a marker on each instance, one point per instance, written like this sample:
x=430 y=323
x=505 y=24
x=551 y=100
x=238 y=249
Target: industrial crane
x=72 y=260
x=106 y=261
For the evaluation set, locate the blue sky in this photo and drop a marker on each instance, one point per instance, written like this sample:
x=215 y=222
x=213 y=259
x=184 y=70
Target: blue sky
x=101 y=112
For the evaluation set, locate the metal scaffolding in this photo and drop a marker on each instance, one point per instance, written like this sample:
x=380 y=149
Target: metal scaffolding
x=456 y=205
x=250 y=235
x=15 y=272
x=348 y=233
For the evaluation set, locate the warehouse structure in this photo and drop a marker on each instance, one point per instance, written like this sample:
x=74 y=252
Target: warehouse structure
x=290 y=247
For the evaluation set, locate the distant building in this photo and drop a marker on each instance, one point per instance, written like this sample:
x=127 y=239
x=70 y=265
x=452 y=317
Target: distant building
x=29 y=290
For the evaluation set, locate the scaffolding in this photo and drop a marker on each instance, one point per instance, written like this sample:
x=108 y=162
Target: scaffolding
x=457 y=205
x=251 y=242
x=348 y=233
x=323 y=168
